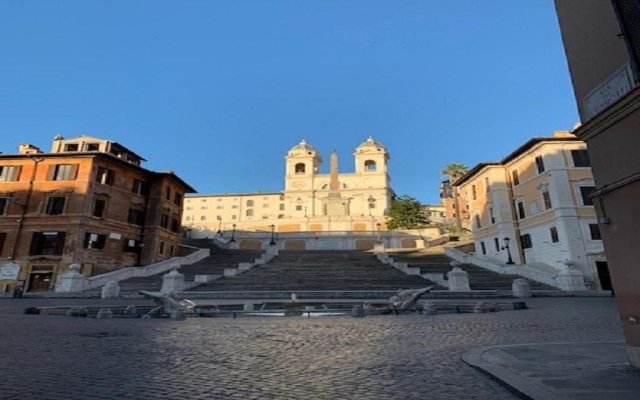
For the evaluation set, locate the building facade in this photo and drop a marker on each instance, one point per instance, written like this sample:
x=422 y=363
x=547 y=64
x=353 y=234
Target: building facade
x=310 y=202
x=437 y=214
x=536 y=202
x=456 y=207
x=602 y=45
x=87 y=201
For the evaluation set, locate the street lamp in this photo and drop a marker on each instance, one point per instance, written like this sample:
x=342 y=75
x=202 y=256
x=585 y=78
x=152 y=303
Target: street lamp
x=372 y=203
x=233 y=233
x=219 y=218
x=506 y=246
x=272 y=242
x=378 y=232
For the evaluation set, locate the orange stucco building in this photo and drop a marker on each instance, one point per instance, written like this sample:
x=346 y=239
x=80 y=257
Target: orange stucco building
x=87 y=201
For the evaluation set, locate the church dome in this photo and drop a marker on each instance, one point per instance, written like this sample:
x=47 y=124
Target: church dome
x=371 y=144
x=302 y=148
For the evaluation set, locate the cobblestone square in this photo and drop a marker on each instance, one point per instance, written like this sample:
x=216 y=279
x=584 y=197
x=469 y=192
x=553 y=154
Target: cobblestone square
x=378 y=357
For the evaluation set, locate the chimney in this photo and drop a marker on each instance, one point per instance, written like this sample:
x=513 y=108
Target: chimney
x=27 y=148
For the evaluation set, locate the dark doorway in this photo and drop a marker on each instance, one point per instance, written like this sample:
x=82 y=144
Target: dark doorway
x=39 y=281
x=603 y=275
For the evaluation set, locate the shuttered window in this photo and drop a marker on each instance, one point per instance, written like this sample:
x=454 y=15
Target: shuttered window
x=629 y=15
x=47 y=243
x=62 y=172
x=10 y=173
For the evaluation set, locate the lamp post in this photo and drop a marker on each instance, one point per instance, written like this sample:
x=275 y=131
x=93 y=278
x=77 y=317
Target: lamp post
x=219 y=218
x=378 y=233
x=506 y=246
x=233 y=233
x=272 y=242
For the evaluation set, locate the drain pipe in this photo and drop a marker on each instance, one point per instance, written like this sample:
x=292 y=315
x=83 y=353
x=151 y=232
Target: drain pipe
x=25 y=206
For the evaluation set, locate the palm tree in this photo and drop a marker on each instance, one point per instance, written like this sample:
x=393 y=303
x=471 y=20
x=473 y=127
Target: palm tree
x=455 y=171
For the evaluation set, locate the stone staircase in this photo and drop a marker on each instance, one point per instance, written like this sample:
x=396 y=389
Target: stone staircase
x=434 y=260
x=212 y=265
x=318 y=270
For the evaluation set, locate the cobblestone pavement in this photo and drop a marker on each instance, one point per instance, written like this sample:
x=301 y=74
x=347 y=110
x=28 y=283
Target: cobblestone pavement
x=377 y=357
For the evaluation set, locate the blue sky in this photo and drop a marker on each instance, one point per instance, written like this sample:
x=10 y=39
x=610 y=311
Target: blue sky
x=218 y=91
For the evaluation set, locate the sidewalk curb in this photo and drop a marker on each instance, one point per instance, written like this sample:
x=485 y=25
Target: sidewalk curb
x=516 y=383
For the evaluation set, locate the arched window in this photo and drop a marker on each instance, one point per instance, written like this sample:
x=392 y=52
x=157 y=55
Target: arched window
x=370 y=166
x=300 y=168
x=249 y=203
x=249 y=213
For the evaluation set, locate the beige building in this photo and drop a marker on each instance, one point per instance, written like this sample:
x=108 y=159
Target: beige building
x=602 y=44
x=310 y=202
x=536 y=201
x=437 y=213
x=456 y=207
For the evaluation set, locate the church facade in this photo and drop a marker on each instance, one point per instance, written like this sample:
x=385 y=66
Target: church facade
x=310 y=202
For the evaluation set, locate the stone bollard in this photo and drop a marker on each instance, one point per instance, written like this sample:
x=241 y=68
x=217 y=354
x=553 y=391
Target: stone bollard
x=521 y=288
x=458 y=280
x=429 y=308
x=104 y=313
x=111 y=290
x=357 y=311
x=248 y=307
x=172 y=282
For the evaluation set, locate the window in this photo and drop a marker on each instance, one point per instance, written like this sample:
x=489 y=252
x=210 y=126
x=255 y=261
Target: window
x=94 y=241
x=136 y=217
x=175 y=225
x=203 y=218
x=105 y=176
x=491 y=216
x=249 y=213
x=300 y=168
x=177 y=199
x=202 y=208
x=234 y=206
x=370 y=166
x=172 y=250
x=234 y=217
x=265 y=205
x=540 y=164
x=164 y=221
x=546 y=199
x=62 y=172
x=298 y=208
x=3 y=236
x=99 y=206
x=487 y=186
x=140 y=187
x=281 y=197
x=219 y=207
x=496 y=243
x=281 y=207
x=580 y=158
x=249 y=203
x=521 y=214
x=71 y=147
x=4 y=202
x=9 y=173
x=483 y=248
x=92 y=146
x=594 y=230
x=167 y=193
x=585 y=191
x=131 y=245
x=477 y=219
x=47 y=243
x=161 y=248
x=515 y=177
x=554 y=234
x=526 y=241
x=55 y=205
x=473 y=192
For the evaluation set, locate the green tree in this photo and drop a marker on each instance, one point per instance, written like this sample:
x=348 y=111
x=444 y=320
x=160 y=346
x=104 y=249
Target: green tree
x=406 y=213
